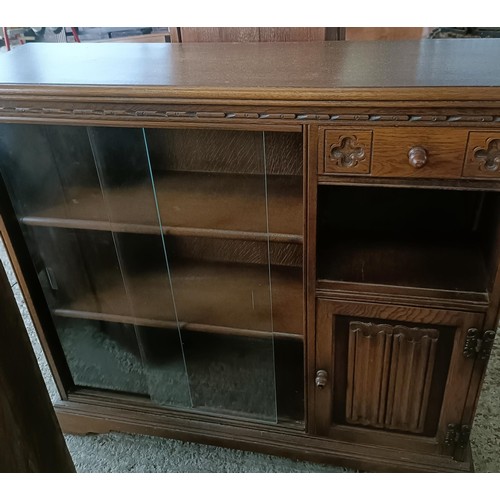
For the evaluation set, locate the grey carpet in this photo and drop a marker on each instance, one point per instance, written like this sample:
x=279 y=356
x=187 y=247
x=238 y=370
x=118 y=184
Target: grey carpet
x=116 y=452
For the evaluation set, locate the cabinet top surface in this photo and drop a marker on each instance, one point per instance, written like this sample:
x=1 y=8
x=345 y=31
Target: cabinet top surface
x=291 y=70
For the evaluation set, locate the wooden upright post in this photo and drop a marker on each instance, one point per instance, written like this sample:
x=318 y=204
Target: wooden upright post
x=30 y=436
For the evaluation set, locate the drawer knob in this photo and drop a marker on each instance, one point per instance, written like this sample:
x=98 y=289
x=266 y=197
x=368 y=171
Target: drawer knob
x=321 y=378
x=417 y=156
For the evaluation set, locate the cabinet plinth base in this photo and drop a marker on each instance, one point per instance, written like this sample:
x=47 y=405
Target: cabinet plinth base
x=87 y=418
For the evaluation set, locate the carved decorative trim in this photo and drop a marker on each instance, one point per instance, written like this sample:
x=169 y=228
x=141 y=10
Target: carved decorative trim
x=350 y=154
x=389 y=375
x=483 y=155
x=228 y=115
x=489 y=157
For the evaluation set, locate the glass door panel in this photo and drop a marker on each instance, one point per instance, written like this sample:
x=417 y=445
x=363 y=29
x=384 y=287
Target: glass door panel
x=211 y=193
x=122 y=163
x=103 y=355
x=54 y=188
x=171 y=260
x=51 y=171
x=209 y=179
x=231 y=374
x=86 y=206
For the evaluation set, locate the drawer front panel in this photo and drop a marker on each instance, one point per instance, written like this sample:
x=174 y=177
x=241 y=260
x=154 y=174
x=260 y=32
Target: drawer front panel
x=483 y=155
x=420 y=152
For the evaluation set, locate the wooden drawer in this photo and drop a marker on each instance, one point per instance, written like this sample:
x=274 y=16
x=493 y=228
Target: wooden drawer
x=421 y=152
x=417 y=152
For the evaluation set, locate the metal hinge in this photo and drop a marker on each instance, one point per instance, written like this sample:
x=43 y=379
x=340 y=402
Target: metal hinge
x=478 y=344
x=457 y=435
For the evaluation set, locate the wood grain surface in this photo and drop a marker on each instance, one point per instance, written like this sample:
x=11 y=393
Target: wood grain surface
x=389 y=375
x=445 y=149
x=256 y=34
x=435 y=403
x=30 y=436
x=426 y=258
x=459 y=69
x=221 y=295
x=189 y=204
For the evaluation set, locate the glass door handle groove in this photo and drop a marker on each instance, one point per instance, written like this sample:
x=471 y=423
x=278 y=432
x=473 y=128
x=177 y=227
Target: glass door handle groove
x=52 y=278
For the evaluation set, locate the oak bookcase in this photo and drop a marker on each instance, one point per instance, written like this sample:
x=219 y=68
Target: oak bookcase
x=290 y=248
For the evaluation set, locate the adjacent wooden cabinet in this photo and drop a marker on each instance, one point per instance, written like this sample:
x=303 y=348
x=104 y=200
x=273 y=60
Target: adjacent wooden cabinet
x=217 y=245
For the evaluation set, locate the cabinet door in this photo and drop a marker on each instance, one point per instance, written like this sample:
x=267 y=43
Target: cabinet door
x=391 y=375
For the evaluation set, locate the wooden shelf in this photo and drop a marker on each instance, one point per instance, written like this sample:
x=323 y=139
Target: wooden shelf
x=402 y=295
x=221 y=298
x=183 y=326
x=190 y=204
x=457 y=267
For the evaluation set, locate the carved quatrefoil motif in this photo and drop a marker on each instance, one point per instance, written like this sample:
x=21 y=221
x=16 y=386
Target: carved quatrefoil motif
x=348 y=153
x=489 y=158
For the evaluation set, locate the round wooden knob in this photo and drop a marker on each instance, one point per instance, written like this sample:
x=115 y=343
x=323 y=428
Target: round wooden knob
x=321 y=378
x=417 y=156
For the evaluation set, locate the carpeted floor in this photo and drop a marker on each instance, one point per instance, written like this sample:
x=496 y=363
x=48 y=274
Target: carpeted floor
x=116 y=452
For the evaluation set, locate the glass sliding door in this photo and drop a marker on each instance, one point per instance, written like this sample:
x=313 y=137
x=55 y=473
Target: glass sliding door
x=121 y=158
x=211 y=193
x=171 y=260
x=85 y=202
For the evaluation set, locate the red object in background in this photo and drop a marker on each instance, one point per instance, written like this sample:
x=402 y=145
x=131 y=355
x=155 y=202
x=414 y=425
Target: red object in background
x=6 y=38
x=75 y=35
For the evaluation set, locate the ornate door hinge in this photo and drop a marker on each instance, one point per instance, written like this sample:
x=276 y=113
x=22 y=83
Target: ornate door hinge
x=457 y=435
x=478 y=344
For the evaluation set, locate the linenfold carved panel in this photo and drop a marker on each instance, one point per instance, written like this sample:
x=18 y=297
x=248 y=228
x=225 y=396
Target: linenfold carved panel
x=389 y=375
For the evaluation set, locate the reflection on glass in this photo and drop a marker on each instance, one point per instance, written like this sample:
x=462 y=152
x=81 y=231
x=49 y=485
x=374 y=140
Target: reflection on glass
x=122 y=166
x=209 y=179
x=122 y=163
x=231 y=374
x=211 y=194
x=102 y=355
x=54 y=179
x=144 y=277
x=289 y=361
x=165 y=370
x=220 y=282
